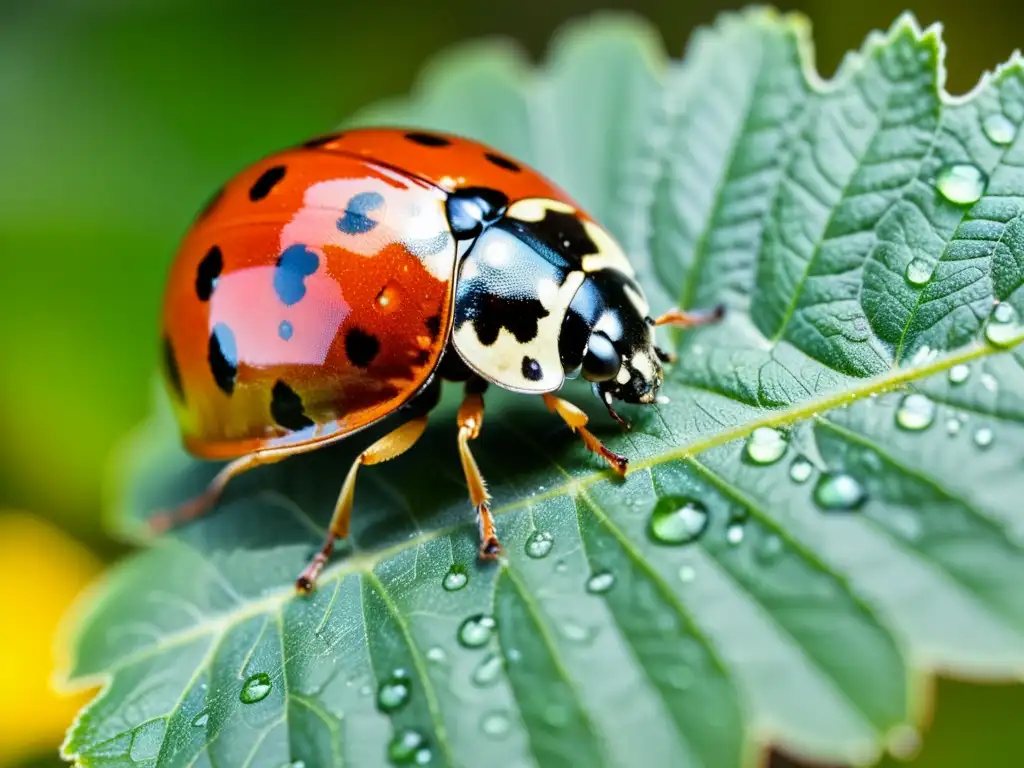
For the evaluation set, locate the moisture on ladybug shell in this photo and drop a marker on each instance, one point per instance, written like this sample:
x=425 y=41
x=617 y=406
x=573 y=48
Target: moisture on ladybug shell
x=331 y=285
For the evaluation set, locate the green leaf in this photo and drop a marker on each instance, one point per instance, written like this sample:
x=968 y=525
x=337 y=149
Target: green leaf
x=850 y=430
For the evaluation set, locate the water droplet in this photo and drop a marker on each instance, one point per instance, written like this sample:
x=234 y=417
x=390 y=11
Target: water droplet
x=437 y=655
x=988 y=381
x=495 y=724
x=577 y=633
x=918 y=272
x=405 y=746
x=952 y=426
x=393 y=693
x=423 y=756
x=255 y=688
x=769 y=549
x=687 y=574
x=839 y=492
x=983 y=437
x=800 y=470
x=514 y=655
x=677 y=520
x=476 y=631
x=539 y=544
x=961 y=183
x=958 y=373
x=734 y=533
x=201 y=719
x=916 y=412
x=488 y=671
x=455 y=579
x=765 y=445
x=999 y=129
x=1004 y=327
x=600 y=582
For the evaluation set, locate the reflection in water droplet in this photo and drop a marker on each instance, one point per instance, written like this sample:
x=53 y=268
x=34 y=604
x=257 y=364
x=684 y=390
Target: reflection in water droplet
x=765 y=445
x=952 y=426
x=983 y=437
x=600 y=582
x=958 y=373
x=255 y=688
x=405 y=746
x=918 y=272
x=539 y=544
x=1004 y=327
x=800 y=470
x=734 y=533
x=916 y=412
x=999 y=129
x=488 y=671
x=839 y=492
x=687 y=573
x=961 y=183
x=455 y=579
x=677 y=520
x=201 y=719
x=393 y=693
x=476 y=630
x=495 y=724
x=388 y=298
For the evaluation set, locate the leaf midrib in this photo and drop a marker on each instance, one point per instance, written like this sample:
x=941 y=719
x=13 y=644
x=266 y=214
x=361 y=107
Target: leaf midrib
x=365 y=562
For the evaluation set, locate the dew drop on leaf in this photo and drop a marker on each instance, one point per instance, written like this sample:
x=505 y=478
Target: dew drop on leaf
x=839 y=492
x=800 y=470
x=952 y=426
x=734 y=533
x=394 y=692
x=765 y=445
x=577 y=633
x=437 y=655
x=255 y=688
x=915 y=412
x=600 y=582
x=918 y=272
x=983 y=437
x=677 y=520
x=961 y=183
x=539 y=544
x=476 y=631
x=958 y=373
x=201 y=719
x=495 y=724
x=488 y=671
x=405 y=747
x=1004 y=327
x=999 y=129
x=687 y=574
x=769 y=549
x=455 y=579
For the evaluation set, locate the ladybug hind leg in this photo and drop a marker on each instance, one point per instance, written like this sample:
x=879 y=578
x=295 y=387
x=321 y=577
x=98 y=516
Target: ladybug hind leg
x=470 y=420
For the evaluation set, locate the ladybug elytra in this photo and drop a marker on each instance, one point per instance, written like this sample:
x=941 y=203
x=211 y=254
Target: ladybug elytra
x=334 y=284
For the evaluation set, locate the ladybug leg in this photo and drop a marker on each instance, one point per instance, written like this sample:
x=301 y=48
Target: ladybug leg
x=681 y=319
x=470 y=419
x=577 y=421
x=393 y=444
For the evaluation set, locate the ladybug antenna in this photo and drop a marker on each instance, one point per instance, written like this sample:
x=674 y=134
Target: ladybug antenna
x=606 y=398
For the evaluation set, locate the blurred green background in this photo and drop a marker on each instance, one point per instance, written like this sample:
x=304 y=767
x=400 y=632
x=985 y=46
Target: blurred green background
x=118 y=118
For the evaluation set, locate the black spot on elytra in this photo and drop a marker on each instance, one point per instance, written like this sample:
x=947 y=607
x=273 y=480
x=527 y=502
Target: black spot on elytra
x=471 y=209
x=361 y=347
x=490 y=313
x=223 y=358
x=286 y=408
x=207 y=273
x=531 y=369
x=433 y=324
x=564 y=233
x=210 y=204
x=422 y=357
x=294 y=265
x=503 y=162
x=356 y=220
x=427 y=139
x=320 y=141
x=171 y=369
x=266 y=182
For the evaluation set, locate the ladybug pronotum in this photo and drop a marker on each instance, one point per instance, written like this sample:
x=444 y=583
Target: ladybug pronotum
x=331 y=285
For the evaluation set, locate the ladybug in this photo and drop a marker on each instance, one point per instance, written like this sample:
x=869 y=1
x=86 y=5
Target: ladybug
x=334 y=284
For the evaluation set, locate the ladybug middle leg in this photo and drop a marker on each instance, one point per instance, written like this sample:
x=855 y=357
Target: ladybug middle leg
x=577 y=422
x=470 y=419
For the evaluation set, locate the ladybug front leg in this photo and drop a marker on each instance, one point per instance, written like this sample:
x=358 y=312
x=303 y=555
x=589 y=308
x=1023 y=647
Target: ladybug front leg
x=388 y=447
x=470 y=420
x=681 y=319
x=577 y=422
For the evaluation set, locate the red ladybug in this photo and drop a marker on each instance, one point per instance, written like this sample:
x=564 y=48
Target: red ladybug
x=334 y=284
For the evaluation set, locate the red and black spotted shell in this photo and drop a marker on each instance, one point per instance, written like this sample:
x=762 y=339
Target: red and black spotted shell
x=313 y=296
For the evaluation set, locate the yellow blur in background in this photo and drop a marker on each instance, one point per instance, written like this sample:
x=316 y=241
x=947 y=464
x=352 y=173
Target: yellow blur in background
x=117 y=120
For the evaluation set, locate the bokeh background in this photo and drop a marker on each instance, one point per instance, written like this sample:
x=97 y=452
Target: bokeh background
x=117 y=119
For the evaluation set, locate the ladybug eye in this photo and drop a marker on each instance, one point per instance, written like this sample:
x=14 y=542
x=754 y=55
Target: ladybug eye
x=602 y=361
